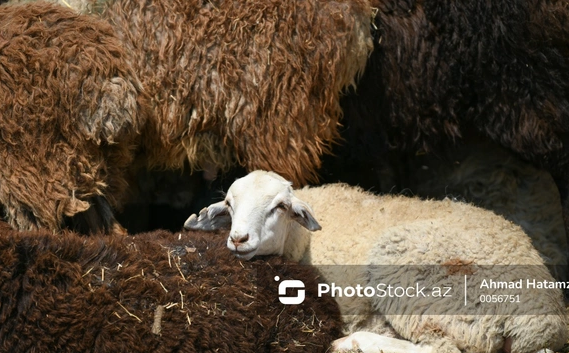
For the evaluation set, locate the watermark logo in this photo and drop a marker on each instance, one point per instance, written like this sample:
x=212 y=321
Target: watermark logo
x=291 y=283
x=425 y=289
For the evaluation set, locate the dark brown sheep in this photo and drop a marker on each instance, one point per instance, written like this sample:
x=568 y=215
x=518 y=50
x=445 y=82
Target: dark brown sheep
x=440 y=68
x=255 y=83
x=71 y=110
x=153 y=292
x=443 y=72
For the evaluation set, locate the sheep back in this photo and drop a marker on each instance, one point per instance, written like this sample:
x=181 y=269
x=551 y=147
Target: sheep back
x=489 y=251
x=71 y=110
x=256 y=83
x=489 y=176
x=500 y=68
x=370 y=215
x=493 y=178
x=396 y=232
x=159 y=292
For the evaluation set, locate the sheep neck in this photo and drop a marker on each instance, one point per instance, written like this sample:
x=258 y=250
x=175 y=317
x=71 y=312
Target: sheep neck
x=297 y=243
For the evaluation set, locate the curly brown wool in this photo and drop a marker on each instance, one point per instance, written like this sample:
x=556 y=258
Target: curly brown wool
x=71 y=109
x=67 y=293
x=255 y=83
x=443 y=69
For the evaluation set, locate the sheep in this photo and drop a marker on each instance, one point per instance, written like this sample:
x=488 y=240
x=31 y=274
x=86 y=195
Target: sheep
x=213 y=78
x=498 y=68
x=252 y=83
x=71 y=112
x=443 y=70
x=151 y=292
x=266 y=217
x=493 y=178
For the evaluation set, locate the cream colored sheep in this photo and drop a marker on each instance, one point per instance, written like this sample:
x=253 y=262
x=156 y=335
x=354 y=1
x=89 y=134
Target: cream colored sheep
x=491 y=177
x=267 y=217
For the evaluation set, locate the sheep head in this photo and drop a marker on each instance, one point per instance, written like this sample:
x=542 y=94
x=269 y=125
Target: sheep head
x=260 y=210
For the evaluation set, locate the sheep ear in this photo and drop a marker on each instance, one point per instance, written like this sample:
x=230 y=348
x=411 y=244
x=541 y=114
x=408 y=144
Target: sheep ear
x=302 y=213
x=215 y=216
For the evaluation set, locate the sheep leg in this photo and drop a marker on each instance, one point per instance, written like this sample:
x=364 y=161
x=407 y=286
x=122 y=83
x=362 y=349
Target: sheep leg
x=368 y=342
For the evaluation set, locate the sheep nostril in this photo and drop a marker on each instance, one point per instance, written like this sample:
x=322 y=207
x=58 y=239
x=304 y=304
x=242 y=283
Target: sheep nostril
x=240 y=239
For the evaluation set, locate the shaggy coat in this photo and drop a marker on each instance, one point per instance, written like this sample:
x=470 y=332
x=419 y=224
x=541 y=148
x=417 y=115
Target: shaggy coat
x=71 y=109
x=153 y=292
x=81 y=6
x=440 y=68
x=256 y=82
x=443 y=70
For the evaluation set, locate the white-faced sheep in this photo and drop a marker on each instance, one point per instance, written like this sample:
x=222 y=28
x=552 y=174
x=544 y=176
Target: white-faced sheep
x=267 y=217
x=71 y=110
x=153 y=292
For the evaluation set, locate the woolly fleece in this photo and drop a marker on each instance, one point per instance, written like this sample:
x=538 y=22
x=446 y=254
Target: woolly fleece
x=256 y=83
x=66 y=293
x=69 y=116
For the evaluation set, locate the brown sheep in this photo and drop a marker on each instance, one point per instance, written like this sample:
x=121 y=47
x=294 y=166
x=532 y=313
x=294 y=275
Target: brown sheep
x=255 y=83
x=442 y=71
x=153 y=292
x=71 y=110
